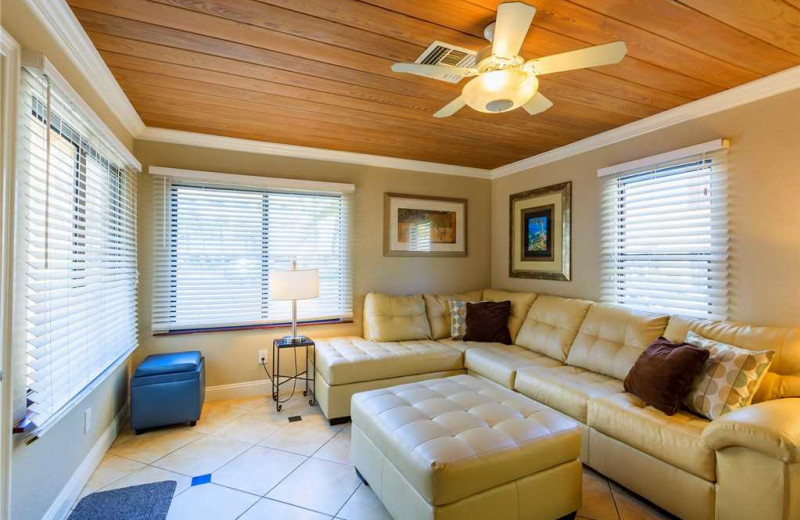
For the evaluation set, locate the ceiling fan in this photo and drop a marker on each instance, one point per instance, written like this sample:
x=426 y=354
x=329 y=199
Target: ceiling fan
x=503 y=80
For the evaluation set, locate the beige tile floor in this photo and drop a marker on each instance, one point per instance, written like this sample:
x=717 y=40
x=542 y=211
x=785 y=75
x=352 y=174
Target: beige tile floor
x=265 y=468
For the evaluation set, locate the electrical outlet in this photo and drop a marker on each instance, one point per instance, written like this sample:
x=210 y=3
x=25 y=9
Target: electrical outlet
x=87 y=420
x=262 y=356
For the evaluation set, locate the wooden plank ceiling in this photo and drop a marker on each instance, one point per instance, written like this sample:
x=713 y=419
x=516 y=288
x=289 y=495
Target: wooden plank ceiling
x=316 y=72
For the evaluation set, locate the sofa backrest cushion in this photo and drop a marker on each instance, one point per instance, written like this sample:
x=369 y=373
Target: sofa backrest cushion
x=437 y=307
x=395 y=318
x=612 y=337
x=551 y=325
x=520 y=305
x=783 y=378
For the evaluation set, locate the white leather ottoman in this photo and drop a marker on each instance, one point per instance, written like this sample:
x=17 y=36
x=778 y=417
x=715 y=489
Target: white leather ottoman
x=464 y=448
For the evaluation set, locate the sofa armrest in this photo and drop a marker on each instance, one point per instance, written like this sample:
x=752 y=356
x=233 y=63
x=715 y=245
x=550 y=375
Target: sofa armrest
x=771 y=428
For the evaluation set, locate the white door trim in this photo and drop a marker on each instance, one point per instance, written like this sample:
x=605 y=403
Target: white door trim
x=10 y=51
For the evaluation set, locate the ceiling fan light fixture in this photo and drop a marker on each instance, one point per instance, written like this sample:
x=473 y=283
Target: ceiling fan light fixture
x=500 y=90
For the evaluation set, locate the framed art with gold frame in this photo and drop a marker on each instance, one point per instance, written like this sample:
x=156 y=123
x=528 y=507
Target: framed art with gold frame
x=419 y=225
x=540 y=225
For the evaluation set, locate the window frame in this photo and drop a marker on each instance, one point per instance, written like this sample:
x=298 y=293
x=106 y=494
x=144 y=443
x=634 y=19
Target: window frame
x=223 y=184
x=644 y=282
x=115 y=208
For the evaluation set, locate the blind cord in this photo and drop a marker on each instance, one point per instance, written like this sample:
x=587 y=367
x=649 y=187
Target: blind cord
x=47 y=176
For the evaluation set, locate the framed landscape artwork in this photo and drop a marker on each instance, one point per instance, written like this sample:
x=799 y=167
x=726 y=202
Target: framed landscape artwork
x=418 y=225
x=540 y=228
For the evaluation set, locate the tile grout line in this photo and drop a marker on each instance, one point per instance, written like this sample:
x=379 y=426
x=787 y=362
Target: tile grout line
x=201 y=435
x=613 y=499
x=348 y=499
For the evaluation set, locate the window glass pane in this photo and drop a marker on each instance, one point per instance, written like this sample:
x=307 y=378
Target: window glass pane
x=217 y=261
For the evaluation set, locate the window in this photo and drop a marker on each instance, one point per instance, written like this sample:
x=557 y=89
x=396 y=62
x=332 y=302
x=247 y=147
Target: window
x=217 y=243
x=665 y=234
x=75 y=287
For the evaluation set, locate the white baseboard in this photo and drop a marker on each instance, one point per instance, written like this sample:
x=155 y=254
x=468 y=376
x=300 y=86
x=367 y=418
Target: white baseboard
x=60 y=507
x=237 y=390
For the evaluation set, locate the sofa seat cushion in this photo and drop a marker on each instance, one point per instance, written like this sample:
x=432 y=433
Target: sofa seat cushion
x=501 y=362
x=673 y=439
x=568 y=389
x=455 y=437
x=353 y=360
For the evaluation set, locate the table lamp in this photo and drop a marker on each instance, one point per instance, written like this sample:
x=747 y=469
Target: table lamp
x=294 y=284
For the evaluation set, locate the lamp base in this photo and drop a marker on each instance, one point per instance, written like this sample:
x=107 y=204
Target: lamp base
x=293 y=340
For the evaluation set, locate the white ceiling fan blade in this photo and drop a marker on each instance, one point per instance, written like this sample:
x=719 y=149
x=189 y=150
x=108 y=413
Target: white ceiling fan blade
x=512 y=25
x=433 y=71
x=537 y=104
x=451 y=108
x=607 y=54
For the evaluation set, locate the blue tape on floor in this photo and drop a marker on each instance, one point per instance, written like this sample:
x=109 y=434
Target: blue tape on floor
x=201 y=479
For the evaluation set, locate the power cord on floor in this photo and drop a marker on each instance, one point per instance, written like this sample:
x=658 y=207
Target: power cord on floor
x=272 y=381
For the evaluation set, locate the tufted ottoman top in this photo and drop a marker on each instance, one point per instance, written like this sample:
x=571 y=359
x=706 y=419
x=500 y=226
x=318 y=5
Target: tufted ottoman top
x=454 y=437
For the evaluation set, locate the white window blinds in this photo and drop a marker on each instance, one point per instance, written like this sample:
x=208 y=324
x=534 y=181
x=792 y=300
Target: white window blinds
x=216 y=244
x=75 y=269
x=665 y=237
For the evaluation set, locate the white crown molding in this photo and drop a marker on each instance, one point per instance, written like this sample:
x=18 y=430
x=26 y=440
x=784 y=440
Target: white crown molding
x=65 y=28
x=165 y=135
x=761 y=88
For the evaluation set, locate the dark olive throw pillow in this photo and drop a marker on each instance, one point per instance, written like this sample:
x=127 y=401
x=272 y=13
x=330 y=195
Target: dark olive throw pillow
x=488 y=322
x=662 y=376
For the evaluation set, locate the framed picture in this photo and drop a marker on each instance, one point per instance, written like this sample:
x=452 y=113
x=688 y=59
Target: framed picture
x=540 y=229
x=418 y=225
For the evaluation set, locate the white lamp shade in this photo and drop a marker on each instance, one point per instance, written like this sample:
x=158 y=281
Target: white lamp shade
x=300 y=284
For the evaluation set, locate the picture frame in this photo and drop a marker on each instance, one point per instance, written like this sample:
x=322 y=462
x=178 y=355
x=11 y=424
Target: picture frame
x=421 y=225
x=540 y=229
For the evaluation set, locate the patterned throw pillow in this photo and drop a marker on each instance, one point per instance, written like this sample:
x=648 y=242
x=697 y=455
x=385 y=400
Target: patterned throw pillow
x=729 y=378
x=458 y=319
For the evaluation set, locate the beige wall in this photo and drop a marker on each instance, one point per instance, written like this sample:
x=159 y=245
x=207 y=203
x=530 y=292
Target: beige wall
x=764 y=163
x=41 y=470
x=232 y=356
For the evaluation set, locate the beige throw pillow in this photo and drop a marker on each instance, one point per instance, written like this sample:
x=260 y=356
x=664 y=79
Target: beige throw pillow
x=729 y=378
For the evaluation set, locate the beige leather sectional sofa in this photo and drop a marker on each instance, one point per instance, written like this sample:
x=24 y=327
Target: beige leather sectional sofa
x=572 y=355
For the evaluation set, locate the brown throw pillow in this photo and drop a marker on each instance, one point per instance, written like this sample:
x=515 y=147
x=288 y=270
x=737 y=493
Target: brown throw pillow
x=488 y=322
x=662 y=376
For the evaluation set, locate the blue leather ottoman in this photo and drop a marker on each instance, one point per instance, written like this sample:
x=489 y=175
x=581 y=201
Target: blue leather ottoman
x=168 y=389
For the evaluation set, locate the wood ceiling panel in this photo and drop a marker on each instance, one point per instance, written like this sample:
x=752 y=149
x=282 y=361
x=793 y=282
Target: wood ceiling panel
x=565 y=119
x=471 y=18
x=128 y=68
x=773 y=21
x=317 y=73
